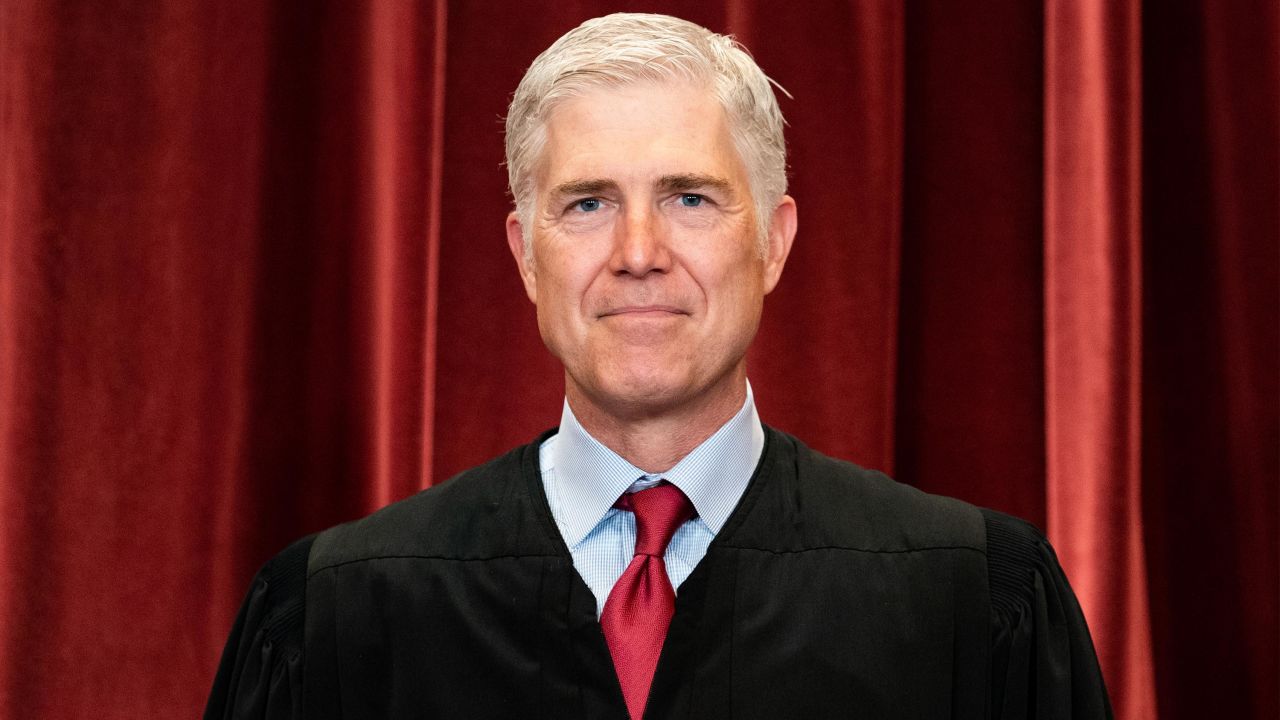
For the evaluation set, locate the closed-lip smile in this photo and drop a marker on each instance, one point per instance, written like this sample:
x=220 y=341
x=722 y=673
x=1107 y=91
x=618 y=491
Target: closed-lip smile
x=642 y=311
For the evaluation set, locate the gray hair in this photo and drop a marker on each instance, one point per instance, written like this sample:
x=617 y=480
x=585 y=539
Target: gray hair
x=626 y=48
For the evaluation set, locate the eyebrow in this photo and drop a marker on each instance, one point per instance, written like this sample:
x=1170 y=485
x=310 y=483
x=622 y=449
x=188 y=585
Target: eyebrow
x=586 y=186
x=669 y=183
x=693 y=181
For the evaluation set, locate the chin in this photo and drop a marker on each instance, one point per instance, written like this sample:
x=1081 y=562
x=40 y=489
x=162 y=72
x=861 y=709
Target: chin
x=643 y=391
x=654 y=387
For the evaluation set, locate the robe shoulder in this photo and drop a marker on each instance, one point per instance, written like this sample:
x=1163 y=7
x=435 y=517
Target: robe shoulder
x=484 y=512
x=489 y=511
x=1042 y=660
x=812 y=501
x=260 y=675
x=1043 y=663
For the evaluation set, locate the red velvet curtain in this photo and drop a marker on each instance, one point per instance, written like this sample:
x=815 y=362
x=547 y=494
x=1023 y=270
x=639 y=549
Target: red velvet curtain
x=253 y=282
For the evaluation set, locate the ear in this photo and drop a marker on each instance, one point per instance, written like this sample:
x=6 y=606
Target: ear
x=782 y=231
x=515 y=241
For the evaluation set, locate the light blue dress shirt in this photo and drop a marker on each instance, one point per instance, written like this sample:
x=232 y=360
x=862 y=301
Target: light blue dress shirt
x=583 y=478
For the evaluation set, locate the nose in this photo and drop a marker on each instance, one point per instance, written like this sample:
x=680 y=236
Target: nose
x=640 y=244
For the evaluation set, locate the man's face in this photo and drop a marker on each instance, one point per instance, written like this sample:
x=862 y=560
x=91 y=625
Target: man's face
x=645 y=264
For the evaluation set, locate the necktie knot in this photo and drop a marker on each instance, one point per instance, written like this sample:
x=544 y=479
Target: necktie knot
x=660 y=511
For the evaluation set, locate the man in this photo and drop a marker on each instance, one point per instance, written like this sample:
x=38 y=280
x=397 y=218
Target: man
x=661 y=553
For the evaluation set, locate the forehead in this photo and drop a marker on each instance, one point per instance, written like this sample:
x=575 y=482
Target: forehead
x=640 y=130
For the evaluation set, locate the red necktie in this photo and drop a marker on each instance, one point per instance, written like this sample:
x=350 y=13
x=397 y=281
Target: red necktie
x=640 y=606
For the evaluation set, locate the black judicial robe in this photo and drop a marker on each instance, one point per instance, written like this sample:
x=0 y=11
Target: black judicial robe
x=832 y=591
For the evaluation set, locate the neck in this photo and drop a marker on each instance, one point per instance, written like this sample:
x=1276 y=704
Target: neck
x=654 y=440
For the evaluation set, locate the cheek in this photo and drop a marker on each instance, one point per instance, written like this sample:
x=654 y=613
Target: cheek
x=737 y=276
x=565 y=278
x=737 y=299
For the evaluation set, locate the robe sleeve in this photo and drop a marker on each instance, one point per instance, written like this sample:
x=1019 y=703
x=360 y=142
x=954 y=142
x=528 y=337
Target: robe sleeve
x=1043 y=665
x=260 y=675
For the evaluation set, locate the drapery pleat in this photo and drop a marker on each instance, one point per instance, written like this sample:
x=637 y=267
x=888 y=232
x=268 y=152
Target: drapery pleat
x=1211 y=443
x=970 y=364
x=253 y=282
x=1093 y=329
x=403 y=156
x=848 y=250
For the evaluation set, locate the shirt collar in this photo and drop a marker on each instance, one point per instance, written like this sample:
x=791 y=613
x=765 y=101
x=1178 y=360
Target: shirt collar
x=713 y=476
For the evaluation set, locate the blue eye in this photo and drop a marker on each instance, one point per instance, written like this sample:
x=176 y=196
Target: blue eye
x=689 y=200
x=589 y=204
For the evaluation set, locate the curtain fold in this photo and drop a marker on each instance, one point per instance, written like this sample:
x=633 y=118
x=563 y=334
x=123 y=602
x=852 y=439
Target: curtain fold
x=1093 y=337
x=970 y=365
x=253 y=282
x=1211 y=442
x=402 y=157
x=826 y=369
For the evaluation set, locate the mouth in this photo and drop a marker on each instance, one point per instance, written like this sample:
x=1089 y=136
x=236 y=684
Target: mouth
x=644 y=311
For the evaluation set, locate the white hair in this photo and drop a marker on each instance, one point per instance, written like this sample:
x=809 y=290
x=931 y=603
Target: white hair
x=626 y=48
